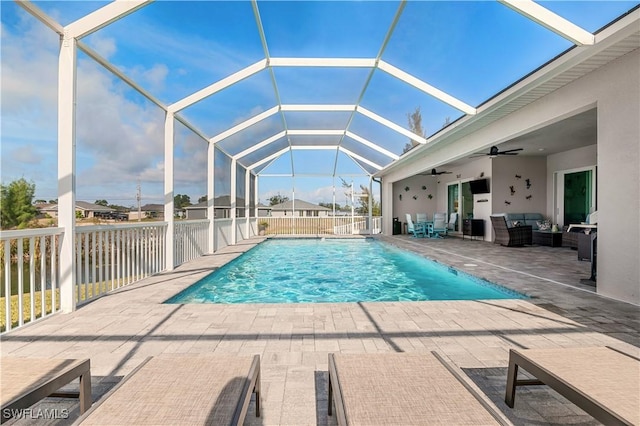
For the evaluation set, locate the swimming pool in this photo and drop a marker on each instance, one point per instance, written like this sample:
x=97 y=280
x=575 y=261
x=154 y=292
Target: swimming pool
x=335 y=270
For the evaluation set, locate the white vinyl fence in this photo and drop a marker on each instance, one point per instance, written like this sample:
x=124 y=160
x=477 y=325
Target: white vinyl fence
x=29 y=260
x=112 y=256
x=191 y=240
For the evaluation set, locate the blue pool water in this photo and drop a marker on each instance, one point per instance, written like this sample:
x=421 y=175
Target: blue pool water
x=314 y=270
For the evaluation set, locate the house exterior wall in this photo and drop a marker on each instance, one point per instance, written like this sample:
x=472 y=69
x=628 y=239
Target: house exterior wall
x=617 y=89
x=193 y=214
x=422 y=203
x=504 y=174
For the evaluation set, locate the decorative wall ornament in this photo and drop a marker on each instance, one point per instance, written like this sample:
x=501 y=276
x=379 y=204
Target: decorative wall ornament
x=528 y=197
x=424 y=187
x=415 y=197
x=513 y=191
x=481 y=174
x=429 y=196
x=458 y=176
x=400 y=196
x=518 y=177
x=507 y=202
x=528 y=182
x=406 y=188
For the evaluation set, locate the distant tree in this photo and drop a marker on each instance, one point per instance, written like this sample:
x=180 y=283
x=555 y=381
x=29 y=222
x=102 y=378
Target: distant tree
x=16 y=204
x=203 y=199
x=414 y=120
x=277 y=199
x=101 y=203
x=181 y=201
x=53 y=201
x=362 y=200
x=40 y=201
x=330 y=205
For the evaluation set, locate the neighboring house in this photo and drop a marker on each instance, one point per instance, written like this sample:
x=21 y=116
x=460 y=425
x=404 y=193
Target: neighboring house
x=45 y=209
x=89 y=210
x=264 y=211
x=86 y=210
x=302 y=209
x=196 y=211
x=222 y=209
x=153 y=211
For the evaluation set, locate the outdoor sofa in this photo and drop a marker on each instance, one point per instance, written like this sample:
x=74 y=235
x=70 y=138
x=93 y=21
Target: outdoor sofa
x=404 y=389
x=25 y=381
x=182 y=390
x=602 y=381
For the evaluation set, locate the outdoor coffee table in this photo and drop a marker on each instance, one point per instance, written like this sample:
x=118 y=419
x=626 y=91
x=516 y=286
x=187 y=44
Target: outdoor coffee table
x=547 y=238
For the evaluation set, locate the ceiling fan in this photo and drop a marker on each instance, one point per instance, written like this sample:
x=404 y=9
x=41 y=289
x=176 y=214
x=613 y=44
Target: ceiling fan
x=494 y=152
x=434 y=173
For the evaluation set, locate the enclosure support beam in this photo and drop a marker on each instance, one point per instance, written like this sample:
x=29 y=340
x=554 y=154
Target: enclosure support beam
x=387 y=207
x=234 y=229
x=370 y=205
x=211 y=208
x=256 y=199
x=551 y=21
x=67 y=170
x=247 y=204
x=169 y=125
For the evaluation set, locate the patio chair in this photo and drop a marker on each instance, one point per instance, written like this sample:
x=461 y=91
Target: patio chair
x=182 y=389
x=404 y=389
x=453 y=221
x=25 y=381
x=440 y=225
x=416 y=229
x=422 y=218
x=514 y=236
x=601 y=381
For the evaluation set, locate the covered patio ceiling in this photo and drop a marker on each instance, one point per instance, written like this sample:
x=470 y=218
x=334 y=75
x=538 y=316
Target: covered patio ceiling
x=339 y=98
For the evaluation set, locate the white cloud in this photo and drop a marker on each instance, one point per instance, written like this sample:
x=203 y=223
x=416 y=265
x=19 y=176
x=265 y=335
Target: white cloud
x=26 y=154
x=105 y=46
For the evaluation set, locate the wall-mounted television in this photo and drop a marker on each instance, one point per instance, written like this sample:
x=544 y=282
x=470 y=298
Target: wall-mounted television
x=480 y=186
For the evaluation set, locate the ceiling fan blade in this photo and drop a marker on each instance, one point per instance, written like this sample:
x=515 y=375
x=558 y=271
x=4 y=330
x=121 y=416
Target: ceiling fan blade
x=506 y=151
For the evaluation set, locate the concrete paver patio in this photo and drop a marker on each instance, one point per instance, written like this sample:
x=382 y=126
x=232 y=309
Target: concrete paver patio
x=122 y=329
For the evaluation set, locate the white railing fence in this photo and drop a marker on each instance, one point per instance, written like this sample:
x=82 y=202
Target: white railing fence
x=339 y=225
x=191 y=240
x=223 y=230
x=31 y=254
x=111 y=256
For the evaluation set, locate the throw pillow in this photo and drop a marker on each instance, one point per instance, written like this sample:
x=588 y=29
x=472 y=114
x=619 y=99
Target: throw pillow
x=515 y=223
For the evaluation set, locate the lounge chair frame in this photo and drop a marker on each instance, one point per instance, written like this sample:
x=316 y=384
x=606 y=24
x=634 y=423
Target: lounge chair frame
x=49 y=387
x=250 y=387
x=546 y=377
x=335 y=392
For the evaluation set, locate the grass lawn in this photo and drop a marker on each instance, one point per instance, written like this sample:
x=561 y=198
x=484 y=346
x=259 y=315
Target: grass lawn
x=86 y=292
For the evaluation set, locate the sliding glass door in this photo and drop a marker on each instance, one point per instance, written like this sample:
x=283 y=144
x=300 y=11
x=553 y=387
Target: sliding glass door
x=575 y=195
x=460 y=200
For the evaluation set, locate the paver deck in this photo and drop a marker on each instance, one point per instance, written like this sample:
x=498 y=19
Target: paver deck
x=120 y=330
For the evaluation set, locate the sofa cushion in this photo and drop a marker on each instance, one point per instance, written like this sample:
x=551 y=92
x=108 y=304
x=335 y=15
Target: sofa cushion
x=514 y=219
x=533 y=219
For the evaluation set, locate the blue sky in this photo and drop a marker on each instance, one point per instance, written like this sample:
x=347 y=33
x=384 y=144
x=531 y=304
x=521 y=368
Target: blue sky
x=470 y=50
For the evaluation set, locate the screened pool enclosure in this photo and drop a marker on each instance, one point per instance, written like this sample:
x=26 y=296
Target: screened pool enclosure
x=243 y=95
